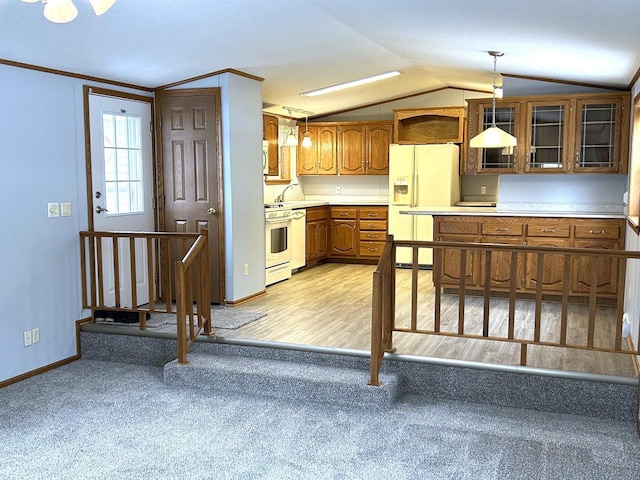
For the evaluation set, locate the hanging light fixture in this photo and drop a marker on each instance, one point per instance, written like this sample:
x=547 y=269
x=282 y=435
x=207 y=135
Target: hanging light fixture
x=292 y=140
x=306 y=138
x=63 y=11
x=493 y=137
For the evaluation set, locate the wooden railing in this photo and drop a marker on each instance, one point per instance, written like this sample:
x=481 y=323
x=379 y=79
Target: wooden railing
x=104 y=269
x=384 y=297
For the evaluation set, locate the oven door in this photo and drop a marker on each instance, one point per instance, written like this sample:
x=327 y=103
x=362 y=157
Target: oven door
x=277 y=241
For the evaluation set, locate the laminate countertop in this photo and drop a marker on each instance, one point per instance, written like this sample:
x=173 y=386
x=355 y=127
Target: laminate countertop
x=495 y=212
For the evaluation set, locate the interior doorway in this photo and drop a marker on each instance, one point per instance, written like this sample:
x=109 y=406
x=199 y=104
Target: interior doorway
x=190 y=167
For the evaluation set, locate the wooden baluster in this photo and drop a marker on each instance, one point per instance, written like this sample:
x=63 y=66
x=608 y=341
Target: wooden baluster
x=150 y=275
x=134 y=275
x=461 y=295
x=538 y=314
x=566 y=284
x=414 y=290
x=92 y=268
x=512 y=295
x=622 y=273
x=83 y=271
x=593 y=296
x=180 y=313
x=487 y=294
x=437 y=272
x=100 y=272
x=168 y=290
x=116 y=270
x=376 y=330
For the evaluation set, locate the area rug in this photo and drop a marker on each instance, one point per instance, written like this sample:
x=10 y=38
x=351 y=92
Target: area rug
x=227 y=318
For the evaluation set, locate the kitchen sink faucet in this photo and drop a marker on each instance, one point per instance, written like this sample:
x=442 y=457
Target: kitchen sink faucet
x=280 y=198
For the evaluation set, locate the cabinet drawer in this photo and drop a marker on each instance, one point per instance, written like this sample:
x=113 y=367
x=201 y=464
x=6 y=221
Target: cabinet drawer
x=314 y=214
x=540 y=227
x=448 y=227
x=373 y=225
x=502 y=226
x=371 y=249
x=373 y=213
x=597 y=229
x=347 y=213
x=373 y=236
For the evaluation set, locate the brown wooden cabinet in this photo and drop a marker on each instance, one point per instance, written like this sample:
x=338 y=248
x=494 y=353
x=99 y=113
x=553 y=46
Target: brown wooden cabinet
x=358 y=232
x=429 y=125
x=317 y=239
x=534 y=231
x=270 y=131
x=346 y=148
x=321 y=157
x=581 y=133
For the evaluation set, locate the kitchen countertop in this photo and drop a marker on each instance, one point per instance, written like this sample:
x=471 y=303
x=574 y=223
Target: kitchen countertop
x=495 y=212
x=298 y=204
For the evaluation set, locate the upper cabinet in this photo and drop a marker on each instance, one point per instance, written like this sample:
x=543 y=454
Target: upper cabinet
x=346 y=148
x=270 y=133
x=585 y=133
x=429 y=125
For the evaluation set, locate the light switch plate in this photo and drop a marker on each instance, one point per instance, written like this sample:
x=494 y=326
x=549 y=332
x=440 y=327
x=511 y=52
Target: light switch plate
x=65 y=208
x=53 y=209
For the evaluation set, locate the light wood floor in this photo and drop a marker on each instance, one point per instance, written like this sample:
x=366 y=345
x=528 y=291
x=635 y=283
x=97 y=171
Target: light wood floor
x=330 y=305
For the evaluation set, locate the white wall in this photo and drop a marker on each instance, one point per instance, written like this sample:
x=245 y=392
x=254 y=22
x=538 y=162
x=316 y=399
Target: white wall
x=242 y=177
x=42 y=160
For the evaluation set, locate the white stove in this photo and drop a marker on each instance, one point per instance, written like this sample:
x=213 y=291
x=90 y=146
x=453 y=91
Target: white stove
x=277 y=220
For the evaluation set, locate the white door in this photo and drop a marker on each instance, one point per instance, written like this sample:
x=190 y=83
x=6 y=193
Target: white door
x=122 y=183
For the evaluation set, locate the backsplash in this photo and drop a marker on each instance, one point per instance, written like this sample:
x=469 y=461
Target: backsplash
x=562 y=193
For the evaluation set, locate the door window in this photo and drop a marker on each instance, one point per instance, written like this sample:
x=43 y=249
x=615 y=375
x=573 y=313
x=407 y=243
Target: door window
x=123 y=172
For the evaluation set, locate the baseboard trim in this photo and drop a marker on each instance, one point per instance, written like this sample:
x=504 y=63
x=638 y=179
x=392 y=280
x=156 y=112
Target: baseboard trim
x=51 y=366
x=38 y=371
x=235 y=303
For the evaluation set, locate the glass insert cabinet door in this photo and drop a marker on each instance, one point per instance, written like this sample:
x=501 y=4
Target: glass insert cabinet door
x=500 y=160
x=547 y=139
x=596 y=135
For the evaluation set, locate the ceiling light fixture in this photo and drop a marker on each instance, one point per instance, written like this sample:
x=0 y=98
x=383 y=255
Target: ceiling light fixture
x=493 y=137
x=306 y=138
x=292 y=141
x=355 y=83
x=63 y=11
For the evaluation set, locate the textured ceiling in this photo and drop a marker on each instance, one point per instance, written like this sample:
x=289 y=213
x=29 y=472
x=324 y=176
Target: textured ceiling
x=300 y=45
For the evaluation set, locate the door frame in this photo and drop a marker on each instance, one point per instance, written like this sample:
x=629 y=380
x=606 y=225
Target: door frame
x=89 y=90
x=157 y=114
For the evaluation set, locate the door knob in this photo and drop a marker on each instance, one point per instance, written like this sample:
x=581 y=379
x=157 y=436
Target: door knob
x=99 y=209
x=212 y=211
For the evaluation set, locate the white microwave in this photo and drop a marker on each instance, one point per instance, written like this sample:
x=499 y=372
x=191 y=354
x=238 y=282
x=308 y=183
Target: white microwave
x=265 y=157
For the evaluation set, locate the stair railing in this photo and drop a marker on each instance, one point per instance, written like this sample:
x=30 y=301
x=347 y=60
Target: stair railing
x=383 y=322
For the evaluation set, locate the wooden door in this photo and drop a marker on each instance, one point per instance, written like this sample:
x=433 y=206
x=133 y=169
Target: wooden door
x=547 y=136
x=191 y=158
x=501 y=264
x=352 y=150
x=270 y=131
x=121 y=188
x=327 y=138
x=378 y=139
x=344 y=238
x=553 y=265
x=451 y=263
x=307 y=157
x=322 y=233
x=607 y=268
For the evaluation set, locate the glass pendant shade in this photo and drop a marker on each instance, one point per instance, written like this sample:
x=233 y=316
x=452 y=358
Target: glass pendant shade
x=60 y=11
x=101 y=6
x=306 y=140
x=493 y=137
x=292 y=141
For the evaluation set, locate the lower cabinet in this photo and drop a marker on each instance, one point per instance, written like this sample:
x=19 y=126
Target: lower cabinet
x=546 y=232
x=317 y=241
x=358 y=232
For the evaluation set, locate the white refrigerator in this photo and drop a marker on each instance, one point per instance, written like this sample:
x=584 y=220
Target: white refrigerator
x=420 y=176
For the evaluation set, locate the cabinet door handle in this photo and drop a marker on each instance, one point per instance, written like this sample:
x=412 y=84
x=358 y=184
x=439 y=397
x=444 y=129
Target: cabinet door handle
x=597 y=232
x=372 y=214
x=547 y=230
x=342 y=214
x=371 y=236
x=502 y=229
x=578 y=158
x=373 y=249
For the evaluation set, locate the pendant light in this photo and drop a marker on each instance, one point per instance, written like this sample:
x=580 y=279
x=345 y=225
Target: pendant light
x=493 y=137
x=306 y=138
x=292 y=140
x=63 y=11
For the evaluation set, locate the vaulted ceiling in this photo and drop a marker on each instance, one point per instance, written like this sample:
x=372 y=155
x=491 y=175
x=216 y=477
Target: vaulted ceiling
x=300 y=45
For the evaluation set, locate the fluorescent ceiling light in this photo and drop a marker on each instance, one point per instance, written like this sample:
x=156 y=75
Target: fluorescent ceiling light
x=355 y=83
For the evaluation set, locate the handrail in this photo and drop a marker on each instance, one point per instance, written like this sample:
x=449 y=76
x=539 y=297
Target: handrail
x=383 y=302
x=154 y=250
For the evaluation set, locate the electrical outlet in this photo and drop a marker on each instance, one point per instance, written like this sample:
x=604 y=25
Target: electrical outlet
x=338 y=189
x=246 y=269
x=35 y=335
x=53 y=209
x=483 y=190
x=27 y=338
